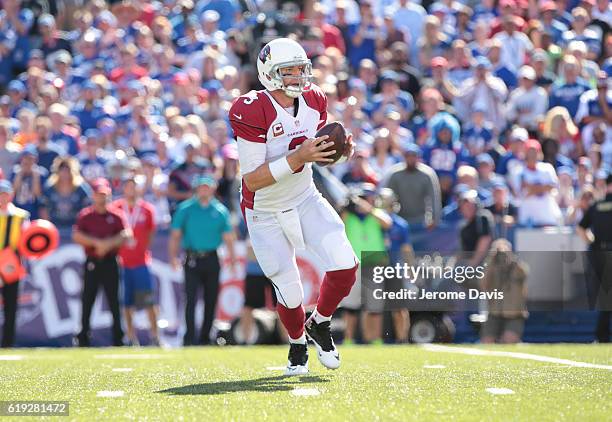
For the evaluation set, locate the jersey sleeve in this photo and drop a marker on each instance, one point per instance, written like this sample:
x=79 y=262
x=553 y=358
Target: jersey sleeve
x=247 y=117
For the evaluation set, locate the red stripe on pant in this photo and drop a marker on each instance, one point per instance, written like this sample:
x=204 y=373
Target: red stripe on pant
x=335 y=287
x=293 y=319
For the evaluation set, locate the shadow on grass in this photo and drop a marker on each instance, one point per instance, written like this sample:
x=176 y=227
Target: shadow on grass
x=265 y=384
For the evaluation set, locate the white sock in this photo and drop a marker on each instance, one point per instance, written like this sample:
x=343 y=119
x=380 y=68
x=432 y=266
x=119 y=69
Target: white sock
x=301 y=340
x=320 y=318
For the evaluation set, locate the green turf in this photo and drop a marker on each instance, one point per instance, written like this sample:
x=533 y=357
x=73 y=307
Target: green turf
x=374 y=383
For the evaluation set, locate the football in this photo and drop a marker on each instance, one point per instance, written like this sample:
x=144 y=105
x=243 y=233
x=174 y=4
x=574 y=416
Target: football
x=338 y=138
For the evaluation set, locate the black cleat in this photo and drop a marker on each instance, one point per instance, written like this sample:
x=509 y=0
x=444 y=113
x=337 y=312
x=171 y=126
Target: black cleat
x=298 y=359
x=320 y=335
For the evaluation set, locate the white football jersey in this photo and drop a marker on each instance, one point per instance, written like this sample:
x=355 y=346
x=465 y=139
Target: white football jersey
x=264 y=127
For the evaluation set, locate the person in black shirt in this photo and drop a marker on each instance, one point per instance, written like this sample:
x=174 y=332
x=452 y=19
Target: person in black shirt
x=476 y=231
x=502 y=209
x=596 y=229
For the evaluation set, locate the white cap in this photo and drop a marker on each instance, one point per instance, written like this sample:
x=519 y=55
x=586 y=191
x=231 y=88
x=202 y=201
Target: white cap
x=519 y=134
x=527 y=72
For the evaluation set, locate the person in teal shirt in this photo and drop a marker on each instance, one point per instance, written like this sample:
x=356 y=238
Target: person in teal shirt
x=201 y=224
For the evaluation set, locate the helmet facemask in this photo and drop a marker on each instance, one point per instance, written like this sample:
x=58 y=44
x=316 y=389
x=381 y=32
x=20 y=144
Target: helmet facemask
x=304 y=80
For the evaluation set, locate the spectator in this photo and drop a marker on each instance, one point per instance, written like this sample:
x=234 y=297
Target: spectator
x=257 y=288
x=203 y=224
x=363 y=36
x=52 y=39
x=92 y=159
x=61 y=134
x=566 y=93
x=391 y=96
x=408 y=76
x=539 y=62
x=595 y=107
x=9 y=151
x=332 y=37
x=409 y=17
x=433 y=43
x=417 y=188
x=529 y=102
x=47 y=151
x=359 y=169
x=477 y=135
x=135 y=257
x=476 y=231
x=576 y=211
x=514 y=44
x=580 y=32
x=65 y=194
x=505 y=273
x=444 y=153
x=179 y=184
x=487 y=178
x=504 y=211
x=383 y=158
x=538 y=185
x=28 y=179
x=101 y=231
x=400 y=250
x=12 y=219
x=365 y=226
x=155 y=190
x=499 y=69
x=483 y=91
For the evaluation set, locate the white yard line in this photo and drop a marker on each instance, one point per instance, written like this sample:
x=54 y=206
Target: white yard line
x=11 y=357
x=434 y=366
x=515 y=355
x=129 y=356
x=110 y=394
x=494 y=390
x=123 y=369
x=305 y=392
x=276 y=368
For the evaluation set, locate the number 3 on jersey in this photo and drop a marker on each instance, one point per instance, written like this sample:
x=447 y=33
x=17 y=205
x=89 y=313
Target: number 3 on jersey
x=295 y=142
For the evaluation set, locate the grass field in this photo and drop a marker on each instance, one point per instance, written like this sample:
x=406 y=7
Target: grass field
x=374 y=383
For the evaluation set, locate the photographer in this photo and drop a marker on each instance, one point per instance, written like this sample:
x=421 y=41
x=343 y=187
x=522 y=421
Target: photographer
x=506 y=274
x=477 y=229
x=365 y=225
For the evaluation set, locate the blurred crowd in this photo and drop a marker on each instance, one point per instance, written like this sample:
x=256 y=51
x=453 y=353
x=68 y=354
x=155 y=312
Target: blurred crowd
x=509 y=98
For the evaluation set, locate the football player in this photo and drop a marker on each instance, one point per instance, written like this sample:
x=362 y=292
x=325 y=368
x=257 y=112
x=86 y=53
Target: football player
x=275 y=129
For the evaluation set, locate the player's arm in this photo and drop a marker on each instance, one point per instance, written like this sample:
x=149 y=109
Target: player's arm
x=258 y=174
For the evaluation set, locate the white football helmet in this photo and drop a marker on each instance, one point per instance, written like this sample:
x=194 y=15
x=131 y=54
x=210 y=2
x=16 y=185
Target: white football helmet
x=278 y=54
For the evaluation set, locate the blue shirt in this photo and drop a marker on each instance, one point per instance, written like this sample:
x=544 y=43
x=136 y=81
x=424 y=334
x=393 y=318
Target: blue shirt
x=567 y=95
x=63 y=210
x=202 y=227
x=226 y=8
x=89 y=117
x=365 y=50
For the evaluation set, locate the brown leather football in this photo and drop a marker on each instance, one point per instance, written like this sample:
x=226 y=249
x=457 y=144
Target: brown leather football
x=337 y=136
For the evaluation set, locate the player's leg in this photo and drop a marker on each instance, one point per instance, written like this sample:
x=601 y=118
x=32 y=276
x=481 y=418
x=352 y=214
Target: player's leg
x=276 y=257
x=324 y=235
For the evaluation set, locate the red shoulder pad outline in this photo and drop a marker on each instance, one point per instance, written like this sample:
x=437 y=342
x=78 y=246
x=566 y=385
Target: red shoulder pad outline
x=251 y=115
x=315 y=98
